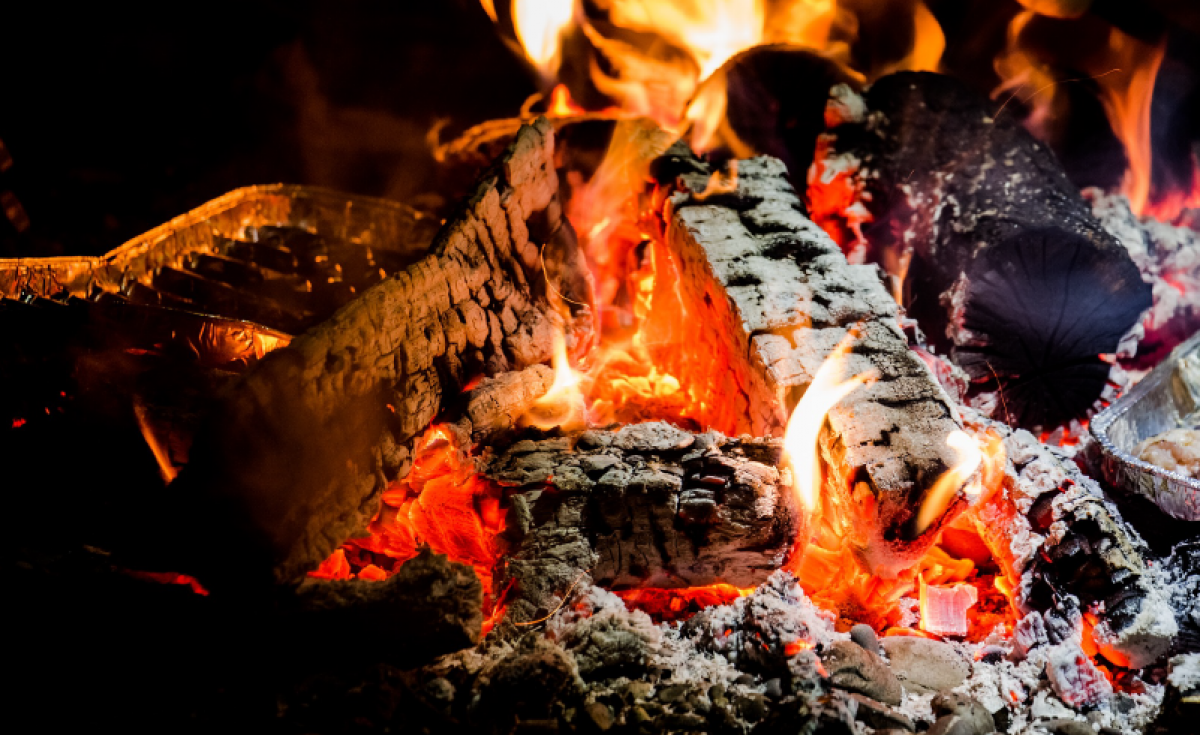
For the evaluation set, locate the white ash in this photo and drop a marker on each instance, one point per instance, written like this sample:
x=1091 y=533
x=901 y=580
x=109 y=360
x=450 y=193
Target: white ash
x=910 y=612
x=1181 y=580
x=1167 y=256
x=1024 y=683
x=1185 y=672
x=918 y=707
x=1151 y=633
x=844 y=106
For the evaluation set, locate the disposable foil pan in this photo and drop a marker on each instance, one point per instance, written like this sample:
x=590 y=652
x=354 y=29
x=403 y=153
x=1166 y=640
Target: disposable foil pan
x=1167 y=398
x=371 y=222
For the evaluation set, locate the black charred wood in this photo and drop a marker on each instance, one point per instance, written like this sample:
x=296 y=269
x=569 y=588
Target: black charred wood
x=1009 y=265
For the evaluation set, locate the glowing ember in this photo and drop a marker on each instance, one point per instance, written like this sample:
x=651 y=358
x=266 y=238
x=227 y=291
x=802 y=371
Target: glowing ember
x=170 y=578
x=952 y=480
x=944 y=608
x=672 y=605
x=442 y=503
x=166 y=467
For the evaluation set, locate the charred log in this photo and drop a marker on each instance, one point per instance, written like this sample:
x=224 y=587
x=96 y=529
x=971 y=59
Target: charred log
x=293 y=458
x=648 y=505
x=430 y=607
x=1052 y=528
x=777 y=297
x=1032 y=289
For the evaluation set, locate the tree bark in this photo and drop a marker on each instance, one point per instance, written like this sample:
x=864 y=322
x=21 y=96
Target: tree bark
x=293 y=458
x=648 y=505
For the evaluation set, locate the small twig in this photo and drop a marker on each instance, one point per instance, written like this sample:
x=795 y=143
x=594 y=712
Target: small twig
x=1000 y=390
x=551 y=286
x=1048 y=86
x=565 y=597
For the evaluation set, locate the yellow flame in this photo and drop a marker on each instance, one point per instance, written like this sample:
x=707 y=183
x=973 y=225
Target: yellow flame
x=563 y=405
x=804 y=426
x=539 y=25
x=970 y=456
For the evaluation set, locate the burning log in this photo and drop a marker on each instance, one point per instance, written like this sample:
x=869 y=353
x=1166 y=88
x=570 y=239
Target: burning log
x=777 y=297
x=1031 y=289
x=647 y=505
x=1051 y=528
x=293 y=459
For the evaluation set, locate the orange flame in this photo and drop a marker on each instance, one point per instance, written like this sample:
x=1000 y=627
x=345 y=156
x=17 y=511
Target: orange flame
x=681 y=44
x=1126 y=98
x=1123 y=69
x=970 y=457
x=561 y=104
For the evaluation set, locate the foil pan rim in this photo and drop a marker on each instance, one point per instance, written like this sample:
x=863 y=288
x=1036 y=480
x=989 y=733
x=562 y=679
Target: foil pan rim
x=1176 y=494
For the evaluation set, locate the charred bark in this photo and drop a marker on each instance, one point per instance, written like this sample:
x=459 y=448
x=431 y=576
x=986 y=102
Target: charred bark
x=293 y=458
x=1052 y=529
x=776 y=297
x=1031 y=289
x=647 y=505
x=430 y=607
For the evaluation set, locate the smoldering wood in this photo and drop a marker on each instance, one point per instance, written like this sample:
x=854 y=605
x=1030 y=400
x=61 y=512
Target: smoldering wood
x=776 y=297
x=494 y=406
x=292 y=460
x=647 y=505
x=1030 y=288
x=429 y=607
x=1052 y=529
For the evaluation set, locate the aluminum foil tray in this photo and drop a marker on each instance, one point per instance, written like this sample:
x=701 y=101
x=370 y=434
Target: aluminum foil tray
x=377 y=223
x=1167 y=398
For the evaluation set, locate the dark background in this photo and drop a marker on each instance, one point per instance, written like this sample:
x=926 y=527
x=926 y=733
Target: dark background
x=120 y=117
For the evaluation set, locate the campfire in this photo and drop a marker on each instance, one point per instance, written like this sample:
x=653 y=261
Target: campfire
x=750 y=386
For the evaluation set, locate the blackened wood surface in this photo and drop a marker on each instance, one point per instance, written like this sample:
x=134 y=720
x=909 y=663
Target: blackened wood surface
x=295 y=456
x=1009 y=265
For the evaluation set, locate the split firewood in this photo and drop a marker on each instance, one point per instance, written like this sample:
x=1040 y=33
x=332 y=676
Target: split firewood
x=776 y=297
x=1030 y=289
x=648 y=505
x=292 y=460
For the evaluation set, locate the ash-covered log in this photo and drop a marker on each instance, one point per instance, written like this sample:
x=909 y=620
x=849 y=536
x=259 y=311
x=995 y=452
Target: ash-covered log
x=1051 y=528
x=648 y=505
x=1009 y=269
x=292 y=460
x=775 y=297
